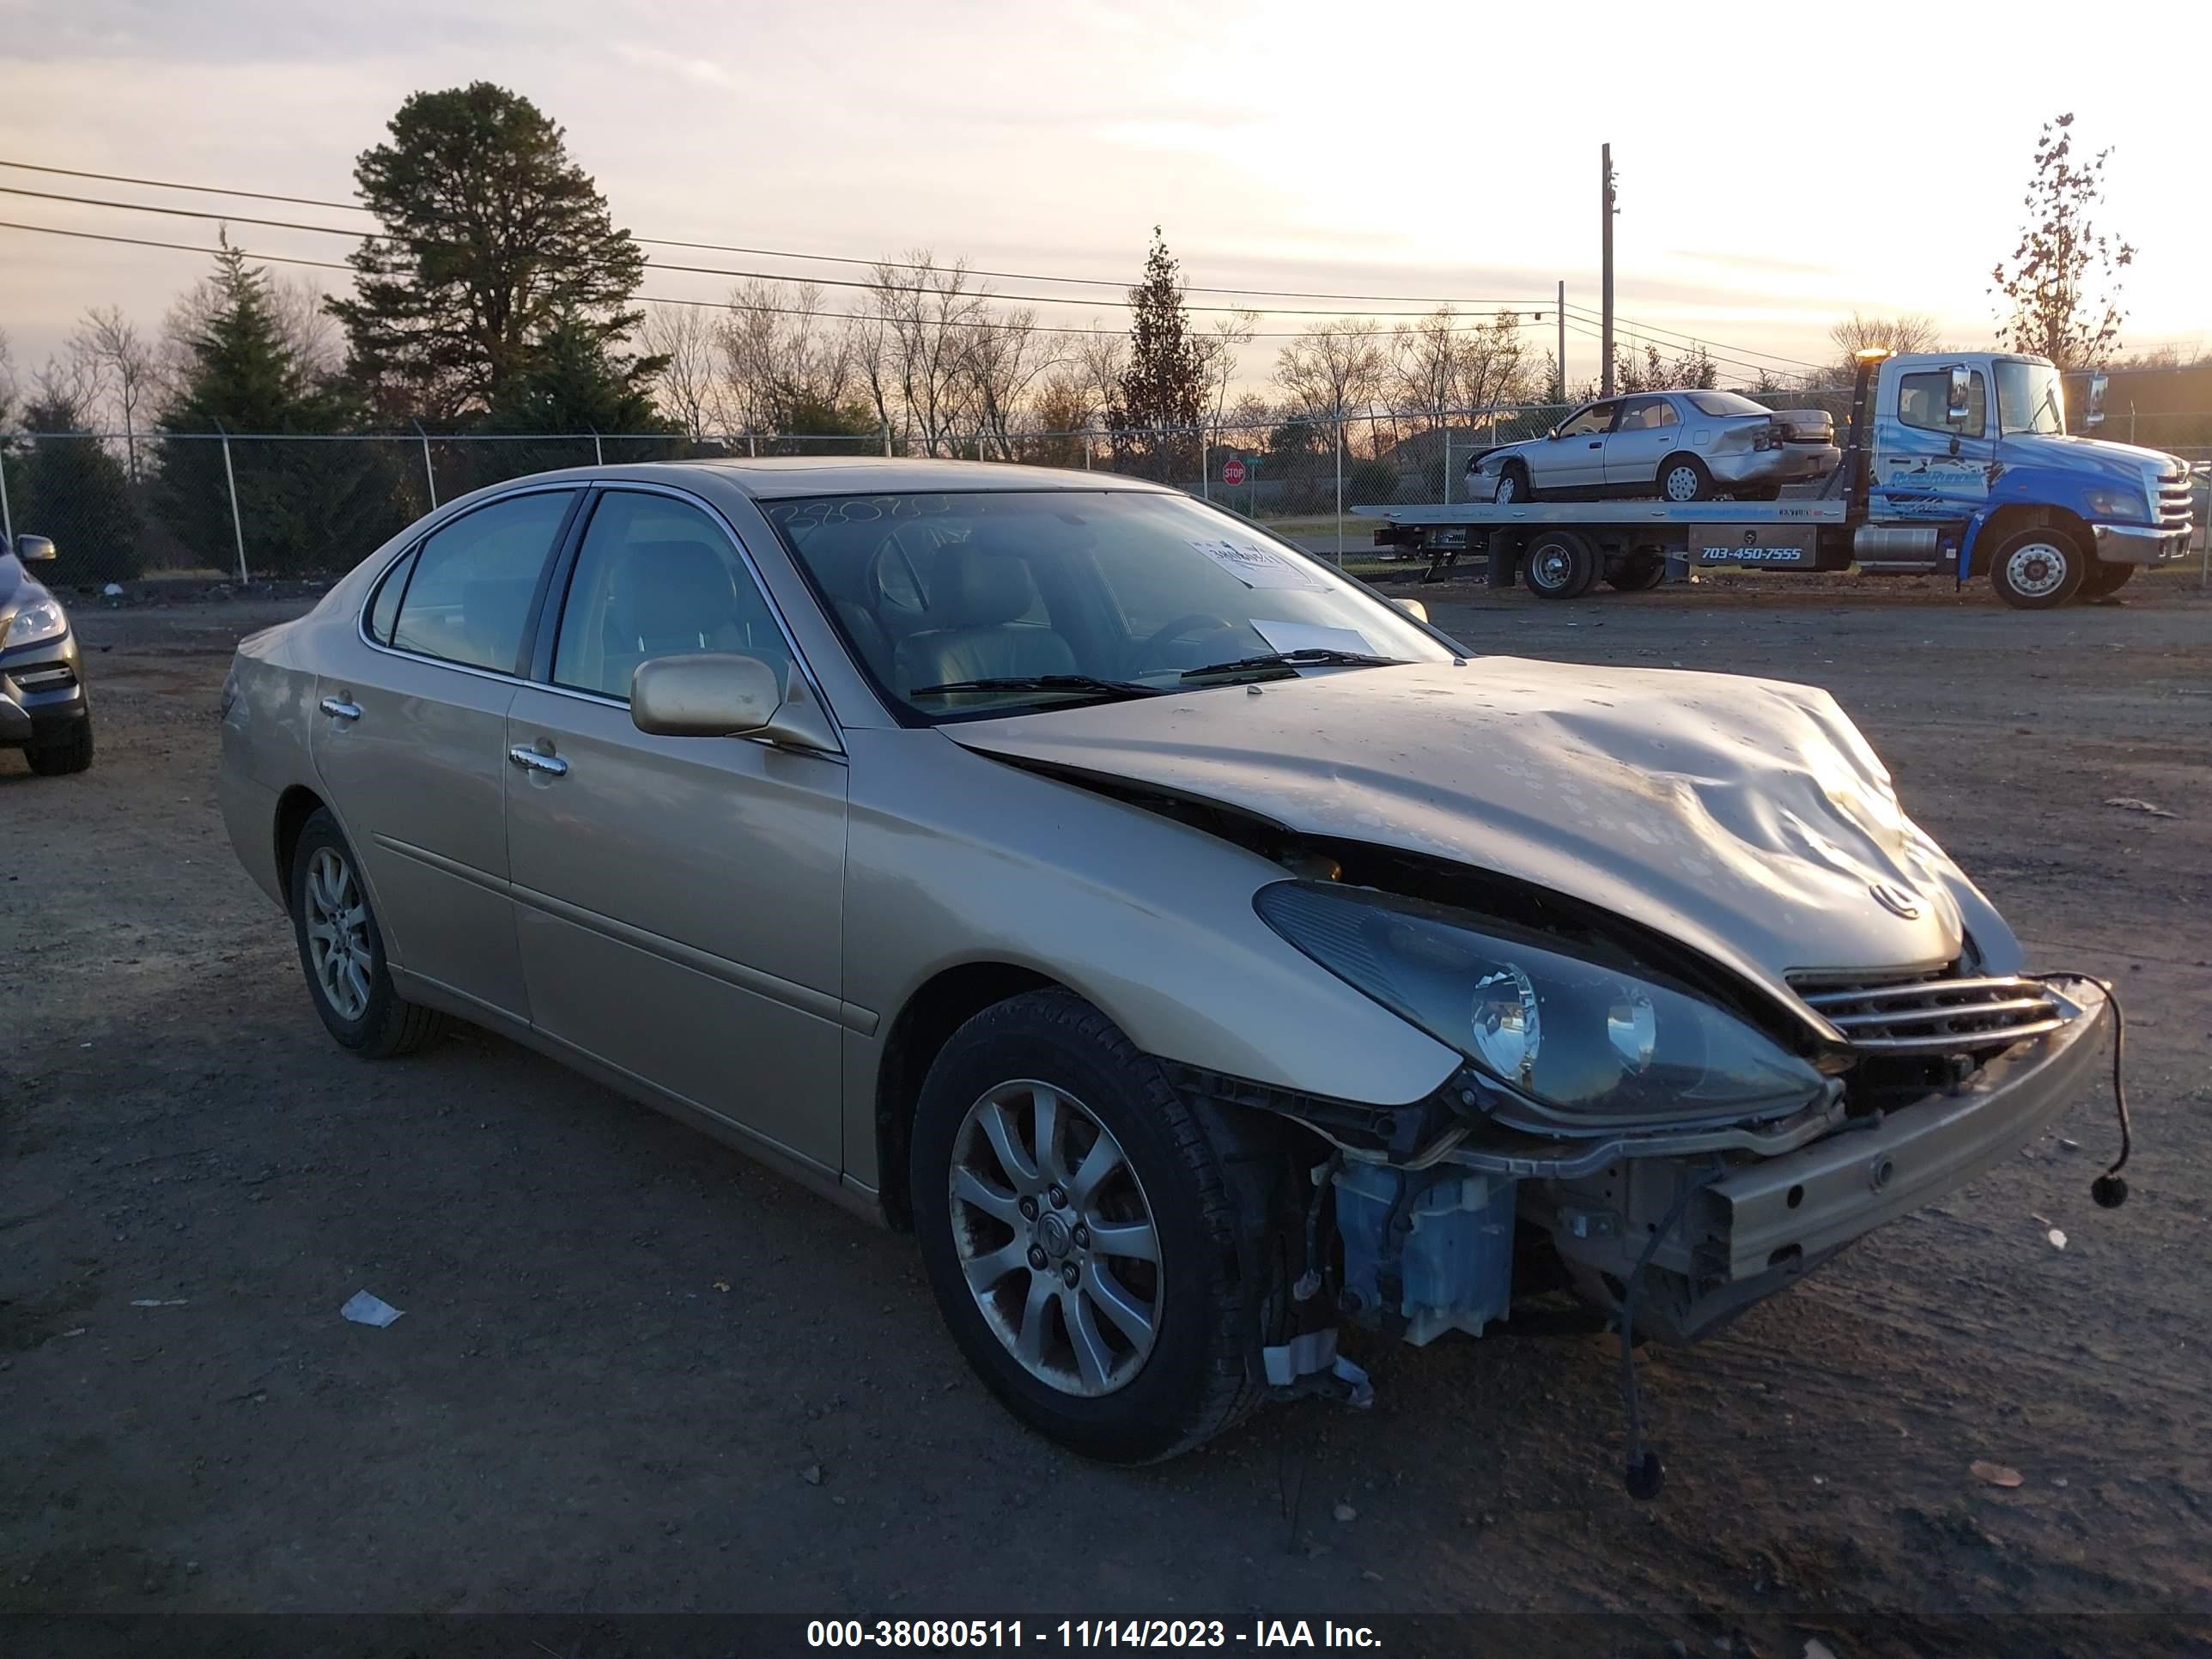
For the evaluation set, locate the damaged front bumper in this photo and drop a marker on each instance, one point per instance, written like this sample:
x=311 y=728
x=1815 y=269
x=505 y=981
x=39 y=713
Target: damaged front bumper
x=1757 y=1222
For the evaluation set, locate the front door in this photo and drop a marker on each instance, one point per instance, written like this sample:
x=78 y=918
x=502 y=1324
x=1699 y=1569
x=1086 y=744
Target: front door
x=409 y=737
x=1646 y=434
x=1928 y=466
x=678 y=900
x=1574 y=457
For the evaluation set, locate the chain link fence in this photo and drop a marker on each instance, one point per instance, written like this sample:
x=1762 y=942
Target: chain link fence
x=248 y=507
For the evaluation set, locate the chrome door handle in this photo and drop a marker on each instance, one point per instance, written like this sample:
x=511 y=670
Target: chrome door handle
x=530 y=760
x=339 y=709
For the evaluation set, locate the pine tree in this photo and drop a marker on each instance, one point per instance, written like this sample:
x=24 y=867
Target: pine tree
x=1163 y=386
x=492 y=234
x=69 y=489
x=572 y=382
x=301 y=506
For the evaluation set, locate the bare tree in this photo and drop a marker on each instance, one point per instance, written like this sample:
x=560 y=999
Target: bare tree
x=1004 y=357
x=119 y=365
x=785 y=363
x=1908 y=331
x=1328 y=374
x=916 y=315
x=1217 y=347
x=2061 y=256
x=1494 y=365
x=689 y=386
x=1101 y=359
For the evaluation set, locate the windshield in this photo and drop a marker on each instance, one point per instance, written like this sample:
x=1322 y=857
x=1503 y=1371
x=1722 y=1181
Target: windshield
x=1725 y=403
x=2029 y=397
x=987 y=603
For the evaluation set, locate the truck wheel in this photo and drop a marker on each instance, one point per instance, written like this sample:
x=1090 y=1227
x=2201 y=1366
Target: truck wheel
x=1558 y=565
x=1638 y=575
x=2037 y=570
x=1512 y=485
x=1684 y=478
x=2103 y=579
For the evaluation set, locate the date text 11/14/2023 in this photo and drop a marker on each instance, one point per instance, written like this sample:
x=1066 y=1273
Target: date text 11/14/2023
x=937 y=1634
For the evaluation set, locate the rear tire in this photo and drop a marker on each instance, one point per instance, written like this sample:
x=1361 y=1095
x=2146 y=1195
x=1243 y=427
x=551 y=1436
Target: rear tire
x=1558 y=564
x=342 y=951
x=1638 y=575
x=2103 y=579
x=1168 y=1370
x=58 y=757
x=1684 y=478
x=2038 y=569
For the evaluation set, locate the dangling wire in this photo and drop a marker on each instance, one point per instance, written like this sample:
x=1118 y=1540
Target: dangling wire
x=1643 y=1474
x=2108 y=1189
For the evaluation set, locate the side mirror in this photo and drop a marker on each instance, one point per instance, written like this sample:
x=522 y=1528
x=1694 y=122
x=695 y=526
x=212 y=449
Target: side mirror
x=2094 y=415
x=1413 y=608
x=1956 y=406
x=727 y=695
x=33 y=549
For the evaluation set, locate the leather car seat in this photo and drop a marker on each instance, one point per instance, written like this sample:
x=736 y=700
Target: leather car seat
x=976 y=596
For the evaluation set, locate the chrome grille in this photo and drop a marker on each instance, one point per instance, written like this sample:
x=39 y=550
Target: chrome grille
x=1939 y=1016
x=2174 y=500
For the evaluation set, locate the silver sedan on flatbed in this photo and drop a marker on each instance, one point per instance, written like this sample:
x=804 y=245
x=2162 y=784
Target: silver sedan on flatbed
x=1677 y=446
x=1194 y=948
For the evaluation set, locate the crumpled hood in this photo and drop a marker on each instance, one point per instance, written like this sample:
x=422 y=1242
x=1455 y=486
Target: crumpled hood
x=1747 y=818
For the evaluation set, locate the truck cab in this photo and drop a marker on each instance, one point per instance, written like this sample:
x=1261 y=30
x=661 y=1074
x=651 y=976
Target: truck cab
x=1975 y=445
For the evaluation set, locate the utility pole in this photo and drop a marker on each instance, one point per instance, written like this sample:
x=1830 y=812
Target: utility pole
x=1605 y=163
x=1562 y=339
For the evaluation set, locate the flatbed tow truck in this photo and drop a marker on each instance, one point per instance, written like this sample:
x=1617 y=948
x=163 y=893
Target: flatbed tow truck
x=1957 y=464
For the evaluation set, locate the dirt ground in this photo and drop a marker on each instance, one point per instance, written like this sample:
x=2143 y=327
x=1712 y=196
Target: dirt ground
x=636 y=1372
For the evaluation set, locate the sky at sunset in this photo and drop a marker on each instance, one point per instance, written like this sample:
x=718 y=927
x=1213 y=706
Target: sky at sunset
x=1770 y=182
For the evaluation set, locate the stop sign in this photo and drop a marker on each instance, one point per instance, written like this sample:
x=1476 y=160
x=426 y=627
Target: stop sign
x=1232 y=471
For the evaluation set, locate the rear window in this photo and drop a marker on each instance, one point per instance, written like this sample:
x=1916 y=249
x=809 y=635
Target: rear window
x=1725 y=403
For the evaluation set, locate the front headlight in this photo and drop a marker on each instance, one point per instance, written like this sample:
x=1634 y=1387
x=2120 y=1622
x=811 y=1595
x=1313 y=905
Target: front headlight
x=2127 y=505
x=41 y=619
x=1587 y=1046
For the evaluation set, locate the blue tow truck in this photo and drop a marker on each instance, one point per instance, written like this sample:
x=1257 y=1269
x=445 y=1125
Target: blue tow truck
x=1958 y=464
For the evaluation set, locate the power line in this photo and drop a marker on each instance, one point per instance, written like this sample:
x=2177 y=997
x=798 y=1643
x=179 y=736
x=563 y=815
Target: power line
x=1585 y=314
x=781 y=253
x=831 y=259
x=650 y=299
x=1584 y=330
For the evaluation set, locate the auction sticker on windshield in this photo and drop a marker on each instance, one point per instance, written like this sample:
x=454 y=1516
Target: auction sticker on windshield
x=1256 y=566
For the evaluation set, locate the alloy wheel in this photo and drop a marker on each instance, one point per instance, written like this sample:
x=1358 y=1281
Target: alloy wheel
x=1055 y=1238
x=336 y=921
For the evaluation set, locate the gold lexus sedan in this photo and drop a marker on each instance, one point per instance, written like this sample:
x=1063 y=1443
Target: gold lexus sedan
x=1195 y=950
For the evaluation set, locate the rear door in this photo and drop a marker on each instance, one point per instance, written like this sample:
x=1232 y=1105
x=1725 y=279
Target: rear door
x=411 y=741
x=1574 y=457
x=678 y=900
x=1646 y=434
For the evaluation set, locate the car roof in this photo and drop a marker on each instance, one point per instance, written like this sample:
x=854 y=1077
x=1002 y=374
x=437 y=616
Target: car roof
x=841 y=475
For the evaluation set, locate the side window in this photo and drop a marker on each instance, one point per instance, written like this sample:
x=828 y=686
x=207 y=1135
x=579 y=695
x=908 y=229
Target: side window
x=656 y=577
x=385 y=605
x=1592 y=422
x=1921 y=399
x=469 y=599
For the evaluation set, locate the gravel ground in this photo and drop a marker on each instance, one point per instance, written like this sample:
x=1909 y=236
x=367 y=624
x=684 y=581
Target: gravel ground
x=637 y=1373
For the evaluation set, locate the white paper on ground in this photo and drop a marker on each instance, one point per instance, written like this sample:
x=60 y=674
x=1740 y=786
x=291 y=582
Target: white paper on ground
x=1310 y=636
x=363 y=1309
x=1258 y=566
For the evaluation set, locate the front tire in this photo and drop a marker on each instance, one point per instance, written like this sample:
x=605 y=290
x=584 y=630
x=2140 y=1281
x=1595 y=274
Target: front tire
x=342 y=950
x=1684 y=478
x=1080 y=1236
x=70 y=752
x=2038 y=569
x=1513 y=486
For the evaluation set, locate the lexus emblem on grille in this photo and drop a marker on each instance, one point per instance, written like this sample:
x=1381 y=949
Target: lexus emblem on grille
x=1898 y=901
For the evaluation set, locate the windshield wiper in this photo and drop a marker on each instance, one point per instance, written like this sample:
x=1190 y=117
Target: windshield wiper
x=1312 y=656
x=1044 y=683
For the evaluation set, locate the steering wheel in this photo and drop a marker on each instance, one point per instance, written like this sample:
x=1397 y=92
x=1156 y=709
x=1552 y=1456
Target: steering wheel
x=1169 y=632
